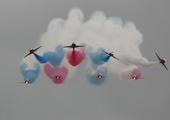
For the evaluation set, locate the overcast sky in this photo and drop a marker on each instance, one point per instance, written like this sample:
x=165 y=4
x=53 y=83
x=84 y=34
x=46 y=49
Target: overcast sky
x=24 y=21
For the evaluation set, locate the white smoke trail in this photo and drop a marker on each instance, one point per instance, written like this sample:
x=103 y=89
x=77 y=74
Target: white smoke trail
x=109 y=33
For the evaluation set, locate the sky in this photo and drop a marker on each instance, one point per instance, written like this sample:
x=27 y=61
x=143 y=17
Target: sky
x=23 y=23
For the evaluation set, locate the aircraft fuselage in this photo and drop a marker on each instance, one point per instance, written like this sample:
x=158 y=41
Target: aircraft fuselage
x=32 y=50
x=26 y=82
x=99 y=76
x=73 y=45
x=162 y=61
x=57 y=77
x=110 y=54
x=134 y=77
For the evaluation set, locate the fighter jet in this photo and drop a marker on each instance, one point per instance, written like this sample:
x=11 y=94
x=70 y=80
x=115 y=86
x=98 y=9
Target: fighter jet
x=111 y=54
x=31 y=51
x=99 y=76
x=57 y=76
x=25 y=82
x=73 y=46
x=162 y=61
x=136 y=78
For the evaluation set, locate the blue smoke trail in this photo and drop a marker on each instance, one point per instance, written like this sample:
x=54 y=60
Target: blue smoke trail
x=54 y=58
x=93 y=77
x=98 y=57
x=42 y=59
x=105 y=57
x=30 y=75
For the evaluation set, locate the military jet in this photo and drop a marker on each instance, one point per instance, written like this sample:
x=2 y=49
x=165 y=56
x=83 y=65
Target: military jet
x=136 y=78
x=31 y=51
x=161 y=60
x=25 y=82
x=73 y=46
x=57 y=76
x=111 y=54
x=99 y=76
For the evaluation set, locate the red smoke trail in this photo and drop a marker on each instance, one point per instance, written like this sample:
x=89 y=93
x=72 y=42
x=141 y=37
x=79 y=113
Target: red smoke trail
x=137 y=73
x=52 y=72
x=76 y=57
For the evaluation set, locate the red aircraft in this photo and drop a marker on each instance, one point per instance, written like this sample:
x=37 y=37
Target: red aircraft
x=110 y=54
x=162 y=61
x=57 y=76
x=31 y=51
x=73 y=46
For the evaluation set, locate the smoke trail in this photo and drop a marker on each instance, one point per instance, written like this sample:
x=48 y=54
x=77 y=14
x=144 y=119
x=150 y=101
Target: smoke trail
x=128 y=64
x=42 y=59
x=97 y=57
x=54 y=58
x=99 y=32
x=93 y=77
x=128 y=74
x=30 y=75
x=105 y=57
x=137 y=60
x=76 y=57
x=52 y=73
x=137 y=73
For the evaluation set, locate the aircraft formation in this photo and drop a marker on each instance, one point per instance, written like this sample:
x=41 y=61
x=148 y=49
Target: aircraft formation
x=101 y=38
x=58 y=76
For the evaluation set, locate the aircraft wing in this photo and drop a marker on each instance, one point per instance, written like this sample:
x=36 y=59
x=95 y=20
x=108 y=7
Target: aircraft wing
x=165 y=66
x=136 y=79
x=55 y=76
x=27 y=55
x=98 y=77
x=23 y=83
x=79 y=46
x=52 y=77
x=20 y=82
x=105 y=52
x=67 y=46
x=158 y=56
x=101 y=77
x=115 y=58
x=37 y=48
x=104 y=76
x=141 y=78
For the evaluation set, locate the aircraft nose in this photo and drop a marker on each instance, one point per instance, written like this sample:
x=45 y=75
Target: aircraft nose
x=26 y=82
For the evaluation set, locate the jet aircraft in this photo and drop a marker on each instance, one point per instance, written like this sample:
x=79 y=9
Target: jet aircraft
x=73 y=46
x=31 y=51
x=161 y=60
x=111 y=54
x=136 y=78
x=57 y=76
x=26 y=82
x=99 y=76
